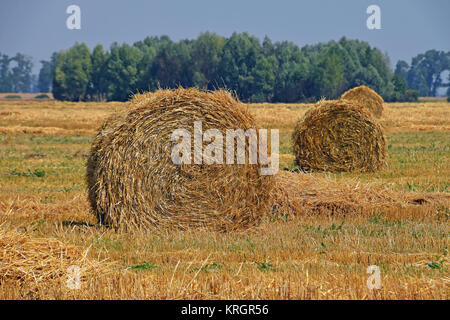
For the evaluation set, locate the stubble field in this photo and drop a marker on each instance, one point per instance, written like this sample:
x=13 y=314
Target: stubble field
x=47 y=230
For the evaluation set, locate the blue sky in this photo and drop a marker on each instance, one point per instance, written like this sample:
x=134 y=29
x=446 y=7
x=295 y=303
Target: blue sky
x=38 y=28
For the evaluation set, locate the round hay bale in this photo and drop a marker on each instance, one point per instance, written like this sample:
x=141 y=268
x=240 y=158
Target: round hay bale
x=339 y=136
x=365 y=97
x=133 y=181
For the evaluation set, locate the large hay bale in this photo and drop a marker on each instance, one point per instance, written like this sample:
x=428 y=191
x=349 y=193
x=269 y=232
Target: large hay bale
x=133 y=182
x=339 y=136
x=367 y=98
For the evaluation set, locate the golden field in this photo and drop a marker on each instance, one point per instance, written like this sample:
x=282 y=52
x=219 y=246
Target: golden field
x=46 y=225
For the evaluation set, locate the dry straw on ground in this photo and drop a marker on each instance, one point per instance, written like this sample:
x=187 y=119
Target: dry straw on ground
x=302 y=194
x=367 y=98
x=339 y=136
x=133 y=182
x=30 y=264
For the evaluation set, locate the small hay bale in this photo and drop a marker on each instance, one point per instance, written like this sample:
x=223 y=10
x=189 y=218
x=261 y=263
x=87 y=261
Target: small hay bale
x=365 y=97
x=133 y=182
x=339 y=136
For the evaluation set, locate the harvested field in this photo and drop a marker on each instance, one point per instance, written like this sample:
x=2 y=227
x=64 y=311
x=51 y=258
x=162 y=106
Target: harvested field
x=325 y=230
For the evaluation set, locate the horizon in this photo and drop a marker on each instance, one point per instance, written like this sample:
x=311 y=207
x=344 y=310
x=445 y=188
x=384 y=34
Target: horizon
x=40 y=27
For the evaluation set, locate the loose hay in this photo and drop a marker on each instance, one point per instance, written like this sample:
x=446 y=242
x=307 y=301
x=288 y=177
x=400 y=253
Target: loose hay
x=339 y=136
x=302 y=194
x=367 y=98
x=133 y=182
x=33 y=265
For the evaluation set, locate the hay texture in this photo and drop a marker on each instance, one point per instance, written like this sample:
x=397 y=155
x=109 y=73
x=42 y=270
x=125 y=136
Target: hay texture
x=303 y=194
x=37 y=265
x=367 y=98
x=133 y=181
x=339 y=136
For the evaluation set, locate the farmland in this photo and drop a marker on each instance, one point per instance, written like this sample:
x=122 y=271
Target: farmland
x=44 y=147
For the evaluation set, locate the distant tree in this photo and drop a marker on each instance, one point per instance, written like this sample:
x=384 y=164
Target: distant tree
x=122 y=71
x=20 y=75
x=339 y=66
x=399 y=83
x=98 y=84
x=328 y=75
x=72 y=73
x=400 y=91
x=172 y=66
x=150 y=47
x=448 y=89
x=410 y=96
x=34 y=86
x=268 y=48
x=425 y=72
x=292 y=74
x=267 y=71
x=205 y=56
x=15 y=73
x=263 y=75
x=45 y=76
x=239 y=56
x=401 y=69
x=5 y=74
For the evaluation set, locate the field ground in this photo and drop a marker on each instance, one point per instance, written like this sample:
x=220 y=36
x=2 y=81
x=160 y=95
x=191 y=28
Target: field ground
x=45 y=217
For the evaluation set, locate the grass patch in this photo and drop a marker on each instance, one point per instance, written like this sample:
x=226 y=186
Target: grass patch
x=143 y=266
x=35 y=173
x=42 y=96
x=13 y=97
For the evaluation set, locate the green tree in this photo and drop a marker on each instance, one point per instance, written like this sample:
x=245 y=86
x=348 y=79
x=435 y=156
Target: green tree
x=425 y=72
x=263 y=79
x=239 y=56
x=401 y=69
x=172 y=66
x=205 y=56
x=98 y=84
x=399 y=83
x=277 y=72
x=292 y=73
x=5 y=74
x=150 y=48
x=20 y=75
x=122 y=71
x=72 y=73
x=45 y=76
x=328 y=75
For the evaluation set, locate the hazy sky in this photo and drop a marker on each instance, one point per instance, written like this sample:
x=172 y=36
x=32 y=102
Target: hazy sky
x=38 y=27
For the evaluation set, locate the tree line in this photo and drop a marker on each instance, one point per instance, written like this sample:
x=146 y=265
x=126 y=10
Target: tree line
x=426 y=72
x=16 y=73
x=259 y=71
